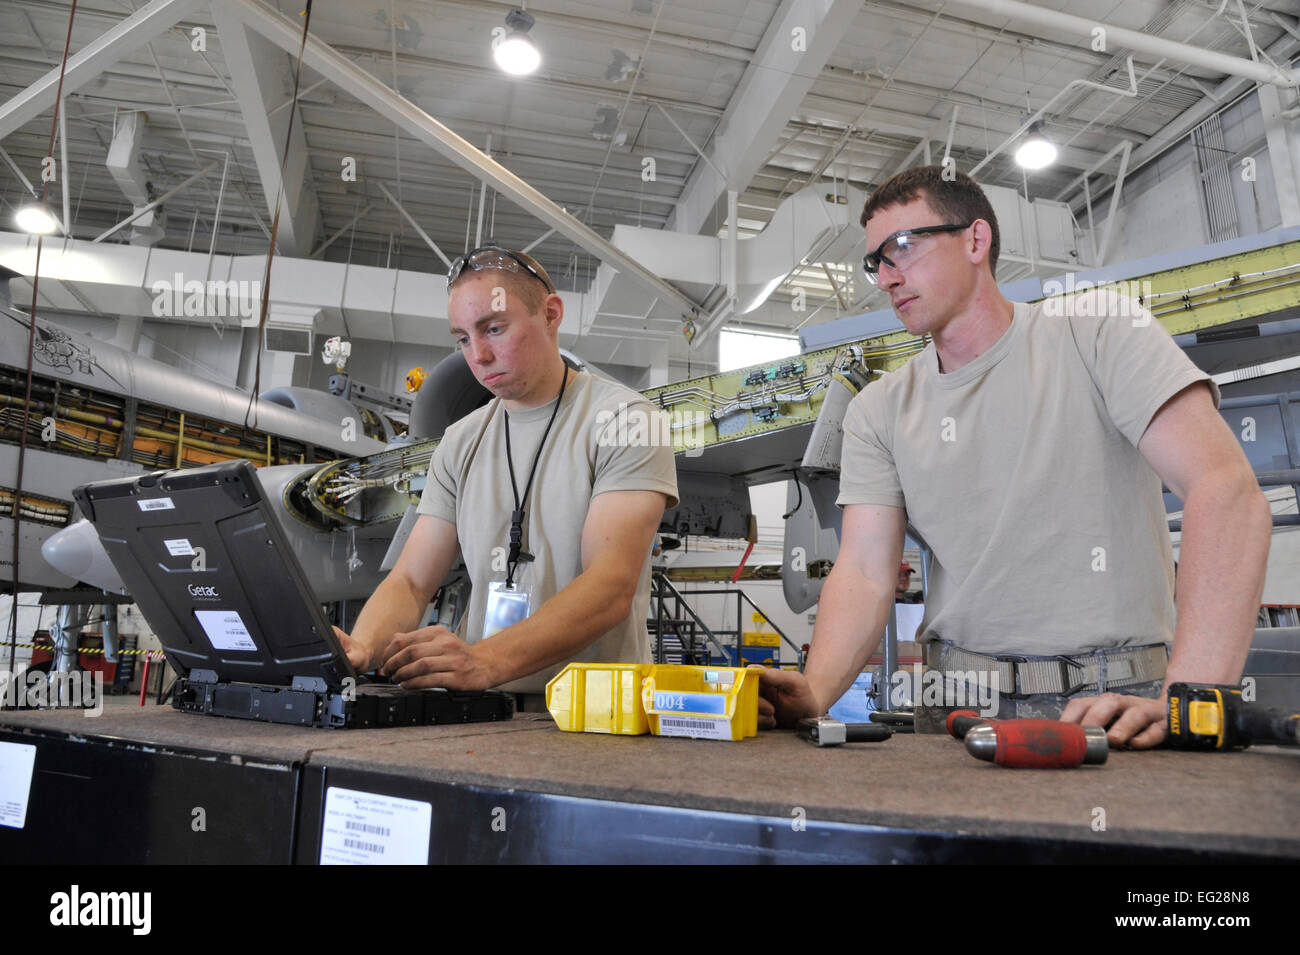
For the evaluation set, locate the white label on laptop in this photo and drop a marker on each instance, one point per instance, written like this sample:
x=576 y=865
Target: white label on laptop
x=179 y=548
x=16 y=763
x=156 y=504
x=225 y=629
x=373 y=829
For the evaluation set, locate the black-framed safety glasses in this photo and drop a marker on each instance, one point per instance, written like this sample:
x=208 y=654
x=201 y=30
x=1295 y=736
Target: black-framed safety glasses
x=902 y=246
x=492 y=257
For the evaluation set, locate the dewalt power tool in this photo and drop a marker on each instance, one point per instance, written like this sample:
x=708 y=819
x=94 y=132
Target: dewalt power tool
x=1208 y=716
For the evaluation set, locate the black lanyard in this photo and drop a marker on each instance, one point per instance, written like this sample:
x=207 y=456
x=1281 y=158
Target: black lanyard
x=517 y=516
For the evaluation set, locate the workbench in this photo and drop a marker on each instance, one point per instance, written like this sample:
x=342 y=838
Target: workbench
x=127 y=787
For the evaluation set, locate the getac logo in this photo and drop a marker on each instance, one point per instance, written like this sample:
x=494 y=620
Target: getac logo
x=198 y=591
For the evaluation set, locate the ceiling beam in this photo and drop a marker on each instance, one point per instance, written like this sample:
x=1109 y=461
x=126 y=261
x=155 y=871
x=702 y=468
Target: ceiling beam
x=799 y=40
x=151 y=20
x=255 y=66
x=396 y=108
x=1137 y=41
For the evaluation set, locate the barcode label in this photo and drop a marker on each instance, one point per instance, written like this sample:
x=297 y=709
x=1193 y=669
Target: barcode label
x=157 y=504
x=696 y=728
x=361 y=828
x=367 y=827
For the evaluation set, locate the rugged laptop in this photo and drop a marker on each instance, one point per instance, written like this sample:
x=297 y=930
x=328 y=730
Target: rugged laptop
x=212 y=571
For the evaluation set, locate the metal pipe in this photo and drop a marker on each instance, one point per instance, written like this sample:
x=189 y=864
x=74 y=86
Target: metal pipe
x=952 y=126
x=1114 y=203
x=19 y=173
x=156 y=203
x=482 y=198
x=1245 y=28
x=1077 y=180
x=537 y=241
x=925 y=572
x=414 y=225
x=889 y=653
x=326 y=61
x=733 y=243
x=343 y=228
x=1278 y=478
x=63 y=165
x=1092 y=226
x=275 y=109
x=216 y=219
x=1136 y=40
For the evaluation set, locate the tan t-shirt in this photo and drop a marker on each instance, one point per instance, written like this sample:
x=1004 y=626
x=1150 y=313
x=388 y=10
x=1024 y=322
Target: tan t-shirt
x=605 y=438
x=1021 y=472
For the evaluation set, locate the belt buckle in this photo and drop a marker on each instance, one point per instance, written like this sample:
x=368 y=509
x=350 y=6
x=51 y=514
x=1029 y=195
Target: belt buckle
x=1013 y=659
x=1068 y=688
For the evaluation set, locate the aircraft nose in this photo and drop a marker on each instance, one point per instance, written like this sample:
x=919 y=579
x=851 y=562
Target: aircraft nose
x=76 y=551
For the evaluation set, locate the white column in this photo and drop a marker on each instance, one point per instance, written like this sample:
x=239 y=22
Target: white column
x=1283 y=153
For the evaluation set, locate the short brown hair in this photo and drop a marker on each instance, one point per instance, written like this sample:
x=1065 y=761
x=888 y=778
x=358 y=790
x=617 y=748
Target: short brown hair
x=955 y=198
x=530 y=291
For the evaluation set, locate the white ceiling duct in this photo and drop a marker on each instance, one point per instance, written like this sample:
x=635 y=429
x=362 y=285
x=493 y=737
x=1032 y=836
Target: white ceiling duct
x=124 y=165
x=813 y=225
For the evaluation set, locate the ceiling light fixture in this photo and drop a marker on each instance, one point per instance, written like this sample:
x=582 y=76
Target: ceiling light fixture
x=1036 y=150
x=516 y=54
x=34 y=219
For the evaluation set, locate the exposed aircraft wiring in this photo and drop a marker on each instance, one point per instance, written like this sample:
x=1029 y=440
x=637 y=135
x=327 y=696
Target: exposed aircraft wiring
x=793 y=390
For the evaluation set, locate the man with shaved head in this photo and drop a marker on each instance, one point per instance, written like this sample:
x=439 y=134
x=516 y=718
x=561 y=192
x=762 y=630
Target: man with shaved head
x=548 y=495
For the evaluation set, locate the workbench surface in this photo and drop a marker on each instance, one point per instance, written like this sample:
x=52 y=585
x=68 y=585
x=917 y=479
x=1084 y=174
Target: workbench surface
x=1244 y=802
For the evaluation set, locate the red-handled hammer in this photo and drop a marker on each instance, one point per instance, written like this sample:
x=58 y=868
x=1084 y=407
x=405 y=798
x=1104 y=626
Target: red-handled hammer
x=1038 y=744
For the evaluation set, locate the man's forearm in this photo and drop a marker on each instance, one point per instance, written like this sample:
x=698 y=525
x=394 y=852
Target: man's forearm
x=570 y=621
x=1224 y=554
x=393 y=608
x=851 y=618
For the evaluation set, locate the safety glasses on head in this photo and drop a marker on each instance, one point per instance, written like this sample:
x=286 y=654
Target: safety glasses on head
x=903 y=247
x=493 y=256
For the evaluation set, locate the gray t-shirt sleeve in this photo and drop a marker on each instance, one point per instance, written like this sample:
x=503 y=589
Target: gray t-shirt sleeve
x=868 y=474
x=633 y=460
x=439 y=497
x=1132 y=358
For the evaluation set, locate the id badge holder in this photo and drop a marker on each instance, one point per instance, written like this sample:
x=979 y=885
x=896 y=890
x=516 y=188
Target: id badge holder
x=506 y=606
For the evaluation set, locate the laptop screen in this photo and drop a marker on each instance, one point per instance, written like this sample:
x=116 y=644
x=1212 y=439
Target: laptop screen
x=203 y=555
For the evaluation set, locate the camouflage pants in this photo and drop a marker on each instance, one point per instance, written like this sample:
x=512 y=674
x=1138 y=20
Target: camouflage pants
x=1048 y=706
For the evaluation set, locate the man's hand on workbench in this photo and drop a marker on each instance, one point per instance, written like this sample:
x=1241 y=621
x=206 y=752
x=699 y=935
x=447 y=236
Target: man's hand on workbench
x=358 y=653
x=1135 y=721
x=784 y=698
x=436 y=657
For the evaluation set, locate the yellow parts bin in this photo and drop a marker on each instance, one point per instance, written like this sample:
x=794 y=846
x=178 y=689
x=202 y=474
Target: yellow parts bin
x=631 y=699
x=599 y=698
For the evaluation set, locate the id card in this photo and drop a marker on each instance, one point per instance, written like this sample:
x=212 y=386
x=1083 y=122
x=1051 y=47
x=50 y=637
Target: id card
x=506 y=606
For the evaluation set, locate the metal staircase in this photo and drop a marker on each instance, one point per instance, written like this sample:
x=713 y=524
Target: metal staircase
x=679 y=635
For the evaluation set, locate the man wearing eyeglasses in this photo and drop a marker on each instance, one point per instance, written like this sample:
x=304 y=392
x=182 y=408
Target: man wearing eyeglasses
x=1027 y=445
x=551 y=498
